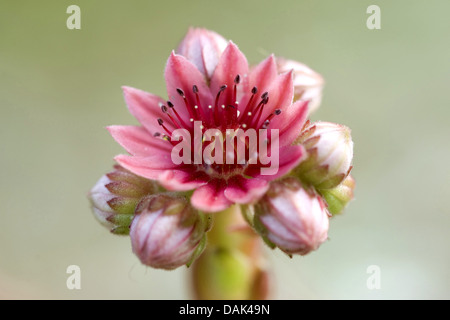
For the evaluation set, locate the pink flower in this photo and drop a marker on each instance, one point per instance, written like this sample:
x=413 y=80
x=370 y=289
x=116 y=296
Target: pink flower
x=223 y=94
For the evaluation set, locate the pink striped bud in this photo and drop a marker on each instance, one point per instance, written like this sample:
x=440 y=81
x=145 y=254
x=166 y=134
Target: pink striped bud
x=291 y=218
x=115 y=196
x=167 y=232
x=330 y=154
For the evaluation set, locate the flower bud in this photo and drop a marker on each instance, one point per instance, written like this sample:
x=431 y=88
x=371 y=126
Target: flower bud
x=291 y=218
x=167 y=232
x=330 y=153
x=338 y=197
x=308 y=84
x=115 y=196
x=203 y=48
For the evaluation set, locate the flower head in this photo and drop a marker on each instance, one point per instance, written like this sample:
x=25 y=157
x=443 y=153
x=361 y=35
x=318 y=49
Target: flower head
x=167 y=232
x=292 y=218
x=225 y=134
x=235 y=102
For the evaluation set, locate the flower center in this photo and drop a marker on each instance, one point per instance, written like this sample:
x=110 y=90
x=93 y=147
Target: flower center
x=222 y=115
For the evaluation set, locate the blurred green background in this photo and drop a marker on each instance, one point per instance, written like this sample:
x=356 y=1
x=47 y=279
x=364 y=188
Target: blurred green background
x=59 y=88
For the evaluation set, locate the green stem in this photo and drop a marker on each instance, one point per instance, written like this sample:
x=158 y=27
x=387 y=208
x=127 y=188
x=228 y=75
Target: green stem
x=232 y=265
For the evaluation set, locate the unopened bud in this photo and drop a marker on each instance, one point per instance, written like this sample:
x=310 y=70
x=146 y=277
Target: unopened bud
x=338 y=197
x=115 y=196
x=167 y=232
x=203 y=48
x=308 y=84
x=291 y=218
x=330 y=153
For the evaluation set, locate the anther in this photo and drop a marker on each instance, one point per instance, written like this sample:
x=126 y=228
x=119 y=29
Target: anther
x=264 y=95
x=180 y=92
x=237 y=80
x=161 y=123
x=247 y=107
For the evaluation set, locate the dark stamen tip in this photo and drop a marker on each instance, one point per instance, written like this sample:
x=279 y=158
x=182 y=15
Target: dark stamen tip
x=266 y=100
x=237 y=79
x=180 y=92
x=255 y=90
x=170 y=104
x=160 y=121
x=156 y=134
x=278 y=111
x=164 y=108
x=231 y=106
x=264 y=95
x=195 y=88
x=222 y=88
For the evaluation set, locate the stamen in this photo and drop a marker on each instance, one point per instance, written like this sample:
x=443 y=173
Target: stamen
x=244 y=114
x=237 y=80
x=199 y=105
x=162 y=136
x=171 y=106
x=261 y=107
x=188 y=107
x=267 y=121
x=216 y=112
x=265 y=124
x=181 y=93
x=164 y=110
x=161 y=123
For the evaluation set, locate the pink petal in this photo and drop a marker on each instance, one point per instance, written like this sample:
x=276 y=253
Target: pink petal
x=289 y=158
x=181 y=74
x=260 y=77
x=147 y=167
x=232 y=63
x=137 y=140
x=281 y=93
x=290 y=122
x=210 y=197
x=146 y=108
x=203 y=48
x=182 y=180
x=241 y=190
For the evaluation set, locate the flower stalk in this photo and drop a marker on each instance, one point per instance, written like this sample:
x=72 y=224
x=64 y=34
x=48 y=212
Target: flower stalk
x=233 y=265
